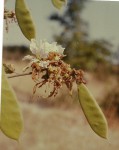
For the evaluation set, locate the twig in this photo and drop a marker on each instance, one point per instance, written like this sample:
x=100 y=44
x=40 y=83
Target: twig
x=18 y=75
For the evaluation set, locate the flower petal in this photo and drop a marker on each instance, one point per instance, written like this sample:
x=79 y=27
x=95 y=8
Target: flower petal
x=44 y=48
x=34 y=46
x=28 y=57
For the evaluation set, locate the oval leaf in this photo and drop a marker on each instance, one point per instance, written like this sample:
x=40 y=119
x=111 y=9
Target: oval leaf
x=92 y=111
x=24 y=19
x=10 y=120
x=59 y=3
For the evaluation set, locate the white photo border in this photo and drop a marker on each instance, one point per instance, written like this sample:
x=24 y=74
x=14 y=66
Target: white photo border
x=1 y=43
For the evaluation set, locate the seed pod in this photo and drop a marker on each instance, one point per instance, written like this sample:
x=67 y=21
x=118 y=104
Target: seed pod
x=92 y=111
x=24 y=19
x=59 y=3
x=10 y=116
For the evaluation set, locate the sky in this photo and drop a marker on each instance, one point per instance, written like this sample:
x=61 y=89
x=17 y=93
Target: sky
x=102 y=18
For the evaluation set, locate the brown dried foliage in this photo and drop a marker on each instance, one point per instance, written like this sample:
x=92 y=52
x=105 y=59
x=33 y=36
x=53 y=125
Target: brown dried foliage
x=57 y=73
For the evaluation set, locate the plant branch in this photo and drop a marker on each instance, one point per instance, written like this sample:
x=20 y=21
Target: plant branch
x=18 y=75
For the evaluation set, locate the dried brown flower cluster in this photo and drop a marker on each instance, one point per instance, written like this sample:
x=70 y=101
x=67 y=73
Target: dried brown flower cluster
x=9 y=68
x=9 y=17
x=49 y=69
x=57 y=73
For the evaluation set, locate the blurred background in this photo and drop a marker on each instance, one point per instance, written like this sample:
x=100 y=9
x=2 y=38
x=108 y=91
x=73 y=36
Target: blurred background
x=89 y=32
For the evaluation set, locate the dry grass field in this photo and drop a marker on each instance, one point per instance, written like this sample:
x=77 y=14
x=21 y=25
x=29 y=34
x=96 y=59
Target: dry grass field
x=56 y=129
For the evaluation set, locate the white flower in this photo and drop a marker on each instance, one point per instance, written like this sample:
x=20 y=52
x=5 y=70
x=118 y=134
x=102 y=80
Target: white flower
x=43 y=48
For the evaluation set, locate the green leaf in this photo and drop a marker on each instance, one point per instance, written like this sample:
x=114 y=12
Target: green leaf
x=24 y=19
x=59 y=3
x=92 y=111
x=10 y=119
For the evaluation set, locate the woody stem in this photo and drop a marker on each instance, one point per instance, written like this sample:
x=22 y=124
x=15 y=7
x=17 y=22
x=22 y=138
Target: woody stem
x=18 y=75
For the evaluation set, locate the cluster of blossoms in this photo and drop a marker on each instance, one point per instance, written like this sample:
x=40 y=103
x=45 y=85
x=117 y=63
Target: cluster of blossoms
x=48 y=67
x=9 y=17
